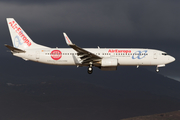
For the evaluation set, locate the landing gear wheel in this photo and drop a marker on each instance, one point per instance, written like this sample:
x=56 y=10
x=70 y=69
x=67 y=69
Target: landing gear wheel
x=90 y=70
x=157 y=69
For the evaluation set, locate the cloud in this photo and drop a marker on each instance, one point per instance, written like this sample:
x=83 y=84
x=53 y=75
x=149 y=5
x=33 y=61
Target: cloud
x=133 y=19
x=75 y=16
x=31 y=1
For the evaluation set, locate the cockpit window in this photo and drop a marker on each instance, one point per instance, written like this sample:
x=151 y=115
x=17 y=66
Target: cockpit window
x=164 y=53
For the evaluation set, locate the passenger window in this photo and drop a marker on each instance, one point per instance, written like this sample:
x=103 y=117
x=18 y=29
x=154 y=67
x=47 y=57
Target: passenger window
x=164 y=53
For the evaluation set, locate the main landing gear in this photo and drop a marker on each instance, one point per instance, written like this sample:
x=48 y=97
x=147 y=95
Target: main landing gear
x=90 y=69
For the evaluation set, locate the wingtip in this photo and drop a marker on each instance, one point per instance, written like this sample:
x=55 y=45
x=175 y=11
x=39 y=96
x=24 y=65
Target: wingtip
x=68 y=41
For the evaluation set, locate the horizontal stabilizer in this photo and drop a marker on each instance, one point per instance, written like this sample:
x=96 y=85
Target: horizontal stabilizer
x=16 y=50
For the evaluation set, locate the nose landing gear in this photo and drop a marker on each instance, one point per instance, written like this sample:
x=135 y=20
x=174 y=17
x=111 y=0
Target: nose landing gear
x=157 y=69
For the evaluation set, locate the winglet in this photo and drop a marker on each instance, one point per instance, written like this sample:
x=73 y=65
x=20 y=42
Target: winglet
x=68 y=41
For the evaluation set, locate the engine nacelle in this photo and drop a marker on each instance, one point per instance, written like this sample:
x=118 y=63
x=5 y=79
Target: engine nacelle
x=109 y=64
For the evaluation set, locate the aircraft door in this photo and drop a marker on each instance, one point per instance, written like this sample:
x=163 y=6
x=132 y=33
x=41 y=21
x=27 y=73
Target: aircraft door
x=155 y=55
x=37 y=54
x=112 y=54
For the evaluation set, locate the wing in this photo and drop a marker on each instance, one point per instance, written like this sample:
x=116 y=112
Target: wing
x=85 y=56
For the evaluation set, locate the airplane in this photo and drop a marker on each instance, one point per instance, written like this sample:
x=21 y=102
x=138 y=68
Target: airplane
x=103 y=58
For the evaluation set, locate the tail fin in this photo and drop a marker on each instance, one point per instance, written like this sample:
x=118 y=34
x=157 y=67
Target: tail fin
x=19 y=38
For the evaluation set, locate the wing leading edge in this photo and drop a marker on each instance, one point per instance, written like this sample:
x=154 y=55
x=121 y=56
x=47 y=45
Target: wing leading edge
x=85 y=56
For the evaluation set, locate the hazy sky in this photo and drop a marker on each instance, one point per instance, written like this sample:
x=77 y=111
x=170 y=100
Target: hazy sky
x=116 y=23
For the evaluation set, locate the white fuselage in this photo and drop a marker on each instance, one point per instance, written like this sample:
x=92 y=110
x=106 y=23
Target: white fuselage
x=126 y=56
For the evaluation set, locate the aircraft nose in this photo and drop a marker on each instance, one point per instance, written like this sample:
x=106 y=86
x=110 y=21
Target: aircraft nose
x=172 y=59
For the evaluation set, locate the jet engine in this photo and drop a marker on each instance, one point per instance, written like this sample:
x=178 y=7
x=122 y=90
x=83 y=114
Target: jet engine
x=109 y=64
